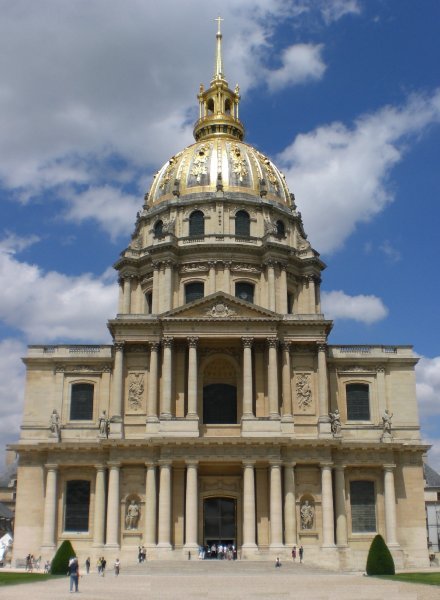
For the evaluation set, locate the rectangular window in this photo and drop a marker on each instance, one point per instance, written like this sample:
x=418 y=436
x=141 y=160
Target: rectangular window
x=77 y=506
x=81 y=403
x=363 y=506
x=358 y=402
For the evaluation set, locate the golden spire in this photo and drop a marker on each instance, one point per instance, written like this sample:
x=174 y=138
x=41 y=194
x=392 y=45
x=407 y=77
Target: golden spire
x=218 y=71
x=218 y=104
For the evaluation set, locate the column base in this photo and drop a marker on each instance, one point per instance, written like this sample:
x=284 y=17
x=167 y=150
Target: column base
x=287 y=425
x=112 y=547
x=116 y=428
x=191 y=551
x=249 y=551
x=152 y=427
x=324 y=427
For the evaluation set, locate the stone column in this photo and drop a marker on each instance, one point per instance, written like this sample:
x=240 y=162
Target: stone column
x=286 y=383
x=99 y=512
x=247 y=377
x=150 y=505
x=212 y=285
x=113 y=506
x=249 y=505
x=168 y=299
x=152 y=383
x=390 y=505
x=192 y=378
x=127 y=295
x=341 y=515
x=290 y=528
x=324 y=419
x=227 y=278
x=164 y=533
x=328 y=536
x=50 y=508
x=276 y=512
x=283 y=290
x=381 y=393
x=121 y=295
x=271 y=285
x=156 y=294
x=117 y=392
x=191 y=512
x=312 y=294
x=165 y=411
x=273 y=379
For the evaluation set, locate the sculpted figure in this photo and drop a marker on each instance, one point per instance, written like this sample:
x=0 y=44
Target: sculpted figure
x=55 y=424
x=132 y=517
x=104 y=424
x=307 y=515
x=386 y=421
x=335 y=420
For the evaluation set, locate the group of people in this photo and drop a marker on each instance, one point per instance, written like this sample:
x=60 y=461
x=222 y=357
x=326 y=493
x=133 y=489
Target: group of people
x=32 y=563
x=300 y=553
x=219 y=551
x=101 y=565
x=73 y=569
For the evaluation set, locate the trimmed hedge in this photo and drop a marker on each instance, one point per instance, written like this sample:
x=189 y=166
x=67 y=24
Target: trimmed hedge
x=61 y=559
x=380 y=561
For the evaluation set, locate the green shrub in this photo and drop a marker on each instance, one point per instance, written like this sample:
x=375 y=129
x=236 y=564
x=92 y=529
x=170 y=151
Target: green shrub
x=61 y=559
x=379 y=561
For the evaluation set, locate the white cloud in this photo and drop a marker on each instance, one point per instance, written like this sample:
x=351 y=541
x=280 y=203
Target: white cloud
x=13 y=243
x=11 y=392
x=366 y=309
x=340 y=174
x=334 y=10
x=391 y=253
x=428 y=386
x=52 y=306
x=300 y=63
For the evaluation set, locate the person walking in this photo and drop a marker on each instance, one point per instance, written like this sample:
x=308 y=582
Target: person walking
x=278 y=562
x=73 y=572
x=117 y=566
x=103 y=565
x=294 y=553
x=301 y=554
x=88 y=565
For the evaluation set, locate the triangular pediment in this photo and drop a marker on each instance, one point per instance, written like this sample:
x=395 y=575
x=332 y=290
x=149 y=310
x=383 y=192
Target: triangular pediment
x=220 y=306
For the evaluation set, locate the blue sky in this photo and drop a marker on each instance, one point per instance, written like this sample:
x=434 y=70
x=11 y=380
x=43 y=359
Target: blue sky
x=344 y=95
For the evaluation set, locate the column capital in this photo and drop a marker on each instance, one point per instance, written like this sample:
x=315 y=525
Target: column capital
x=150 y=464
x=272 y=342
x=156 y=265
x=165 y=462
x=247 y=342
x=322 y=347
x=339 y=467
x=389 y=467
x=212 y=264
x=114 y=464
x=119 y=346
x=100 y=467
x=247 y=463
x=289 y=463
x=276 y=463
x=192 y=341
x=380 y=369
x=326 y=465
x=154 y=346
x=192 y=462
x=51 y=466
x=286 y=346
x=167 y=341
x=270 y=263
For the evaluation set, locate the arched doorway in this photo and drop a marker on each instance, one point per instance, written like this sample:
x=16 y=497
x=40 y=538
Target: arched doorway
x=219 y=404
x=220 y=522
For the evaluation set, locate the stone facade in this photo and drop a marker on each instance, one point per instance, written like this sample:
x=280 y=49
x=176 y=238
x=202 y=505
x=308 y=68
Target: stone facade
x=220 y=386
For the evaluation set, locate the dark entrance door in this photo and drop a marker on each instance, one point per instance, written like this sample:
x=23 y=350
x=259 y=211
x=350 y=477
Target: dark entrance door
x=219 y=522
x=219 y=404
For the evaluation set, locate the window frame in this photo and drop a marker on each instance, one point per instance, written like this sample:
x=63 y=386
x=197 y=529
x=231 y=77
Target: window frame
x=361 y=419
x=75 y=385
x=68 y=483
x=193 y=283
x=363 y=532
x=248 y=283
x=193 y=224
x=245 y=224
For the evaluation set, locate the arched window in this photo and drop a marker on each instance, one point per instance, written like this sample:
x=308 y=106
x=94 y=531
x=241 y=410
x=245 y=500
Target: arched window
x=281 y=230
x=358 y=402
x=210 y=106
x=76 y=516
x=196 y=224
x=194 y=291
x=290 y=302
x=149 y=303
x=244 y=291
x=158 y=229
x=228 y=107
x=242 y=224
x=363 y=506
x=81 y=402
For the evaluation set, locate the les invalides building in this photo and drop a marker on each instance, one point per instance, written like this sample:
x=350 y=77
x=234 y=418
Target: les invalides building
x=220 y=415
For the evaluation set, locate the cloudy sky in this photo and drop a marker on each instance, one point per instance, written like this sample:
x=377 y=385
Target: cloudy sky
x=344 y=95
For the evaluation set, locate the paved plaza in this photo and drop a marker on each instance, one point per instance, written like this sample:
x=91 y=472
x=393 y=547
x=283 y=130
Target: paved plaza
x=224 y=580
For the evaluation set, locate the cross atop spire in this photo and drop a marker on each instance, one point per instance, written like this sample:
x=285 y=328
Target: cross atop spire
x=218 y=72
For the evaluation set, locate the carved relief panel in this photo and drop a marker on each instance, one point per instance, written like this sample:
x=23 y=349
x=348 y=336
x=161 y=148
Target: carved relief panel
x=304 y=393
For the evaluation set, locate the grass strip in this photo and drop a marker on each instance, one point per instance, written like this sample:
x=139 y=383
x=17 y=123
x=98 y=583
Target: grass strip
x=425 y=578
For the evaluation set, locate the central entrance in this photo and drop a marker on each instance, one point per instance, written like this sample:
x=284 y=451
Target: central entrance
x=219 y=518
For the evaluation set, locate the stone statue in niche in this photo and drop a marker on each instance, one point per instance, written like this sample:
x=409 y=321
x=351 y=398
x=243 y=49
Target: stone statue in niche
x=335 y=420
x=307 y=515
x=386 y=422
x=304 y=391
x=55 y=424
x=135 y=390
x=132 y=516
x=104 y=425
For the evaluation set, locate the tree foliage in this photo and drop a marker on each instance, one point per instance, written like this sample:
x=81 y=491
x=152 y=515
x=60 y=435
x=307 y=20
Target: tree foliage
x=380 y=561
x=61 y=559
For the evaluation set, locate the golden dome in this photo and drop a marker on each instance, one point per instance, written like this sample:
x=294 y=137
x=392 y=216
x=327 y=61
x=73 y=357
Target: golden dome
x=219 y=164
x=219 y=160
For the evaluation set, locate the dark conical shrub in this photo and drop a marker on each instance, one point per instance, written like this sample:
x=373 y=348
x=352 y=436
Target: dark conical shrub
x=379 y=561
x=61 y=559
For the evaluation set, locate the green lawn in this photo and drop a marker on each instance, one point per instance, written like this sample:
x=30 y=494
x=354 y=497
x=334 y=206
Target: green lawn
x=13 y=578
x=427 y=578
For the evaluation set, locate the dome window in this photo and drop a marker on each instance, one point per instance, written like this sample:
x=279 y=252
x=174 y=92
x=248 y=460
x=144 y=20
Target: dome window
x=210 y=106
x=281 y=230
x=244 y=291
x=194 y=291
x=197 y=224
x=158 y=229
x=228 y=107
x=242 y=224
